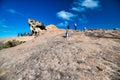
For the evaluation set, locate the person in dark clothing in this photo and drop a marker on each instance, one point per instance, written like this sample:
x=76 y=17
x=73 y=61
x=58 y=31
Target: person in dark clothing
x=18 y=34
x=68 y=27
x=75 y=26
x=21 y=34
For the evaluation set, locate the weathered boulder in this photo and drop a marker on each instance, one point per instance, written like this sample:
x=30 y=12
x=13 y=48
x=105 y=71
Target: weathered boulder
x=36 y=27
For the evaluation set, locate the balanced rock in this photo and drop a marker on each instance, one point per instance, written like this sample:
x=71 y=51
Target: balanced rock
x=36 y=27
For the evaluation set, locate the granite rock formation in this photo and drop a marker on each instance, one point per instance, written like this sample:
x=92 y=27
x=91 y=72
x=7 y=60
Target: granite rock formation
x=36 y=27
x=82 y=56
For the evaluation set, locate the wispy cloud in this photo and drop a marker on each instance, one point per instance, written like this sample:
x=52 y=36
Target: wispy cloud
x=78 y=9
x=62 y=24
x=2 y=24
x=90 y=4
x=6 y=31
x=83 y=19
x=78 y=6
x=83 y=5
x=13 y=11
x=66 y=15
x=4 y=27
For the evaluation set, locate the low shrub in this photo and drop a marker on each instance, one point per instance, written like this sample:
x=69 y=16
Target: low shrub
x=12 y=43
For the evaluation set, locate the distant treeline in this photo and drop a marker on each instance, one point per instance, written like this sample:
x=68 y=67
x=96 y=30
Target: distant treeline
x=24 y=34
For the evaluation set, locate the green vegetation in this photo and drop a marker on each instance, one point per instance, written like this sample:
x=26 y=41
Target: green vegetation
x=9 y=44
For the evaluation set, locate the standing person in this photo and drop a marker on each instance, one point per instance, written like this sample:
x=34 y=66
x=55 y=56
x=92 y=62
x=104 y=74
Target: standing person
x=18 y=34
x=67 y=34
x=75 y=26
x=85 y=29
x=68 y=27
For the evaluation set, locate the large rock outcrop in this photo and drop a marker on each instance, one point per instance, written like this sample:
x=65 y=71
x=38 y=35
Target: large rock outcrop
x=36 y=27
x=53 y=57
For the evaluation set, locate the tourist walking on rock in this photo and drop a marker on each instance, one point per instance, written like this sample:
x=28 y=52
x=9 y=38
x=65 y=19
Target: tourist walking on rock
x=67 y=34
x=75 y=26
x=68 y=27
x=85 y=29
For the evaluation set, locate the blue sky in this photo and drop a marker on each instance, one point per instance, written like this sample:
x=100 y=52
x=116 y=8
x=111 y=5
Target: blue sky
x=14 y=14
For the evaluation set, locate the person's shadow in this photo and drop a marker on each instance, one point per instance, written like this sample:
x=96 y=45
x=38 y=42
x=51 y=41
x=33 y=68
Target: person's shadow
x=64 y=36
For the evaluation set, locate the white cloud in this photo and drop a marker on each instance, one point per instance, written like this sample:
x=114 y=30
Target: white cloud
x=66 y=15
x=78 y=9
x=83 y=5
x=12 y=11
x=90 y=4
x=63 y=24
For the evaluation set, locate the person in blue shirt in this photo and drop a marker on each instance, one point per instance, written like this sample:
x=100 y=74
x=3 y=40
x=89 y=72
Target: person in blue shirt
x=75 y=26
x=67 y=34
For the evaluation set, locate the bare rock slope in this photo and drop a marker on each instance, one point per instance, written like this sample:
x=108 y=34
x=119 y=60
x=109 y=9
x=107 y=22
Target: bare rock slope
x=52 y=57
